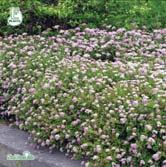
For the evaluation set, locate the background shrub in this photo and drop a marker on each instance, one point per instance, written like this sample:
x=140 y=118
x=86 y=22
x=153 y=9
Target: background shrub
x=40 y=14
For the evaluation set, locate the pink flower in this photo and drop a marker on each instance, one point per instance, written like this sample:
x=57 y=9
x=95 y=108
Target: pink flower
x=85 y=130
x=32 y=90
x=134 y=146
x=78 y=140
x=142 y=163
x=98 y=148
x=156 y=156
x=12 y=66
x=57 y=137
x=46 y=85
x=29 y=53
x=135 y=103
x=62 y=114
x=1 y=99
x=74 y=123
x=74 y=99
x=109 y=158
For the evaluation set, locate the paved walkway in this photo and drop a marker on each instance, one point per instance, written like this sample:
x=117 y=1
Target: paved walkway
x=13 y=141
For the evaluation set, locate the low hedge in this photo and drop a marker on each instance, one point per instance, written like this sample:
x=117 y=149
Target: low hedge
x=108 y=113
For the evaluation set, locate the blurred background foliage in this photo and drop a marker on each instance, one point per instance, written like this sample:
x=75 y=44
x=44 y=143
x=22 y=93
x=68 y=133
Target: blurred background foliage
x=39 y=15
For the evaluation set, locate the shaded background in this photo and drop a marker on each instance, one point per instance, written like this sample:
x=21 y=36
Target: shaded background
x=41 y=14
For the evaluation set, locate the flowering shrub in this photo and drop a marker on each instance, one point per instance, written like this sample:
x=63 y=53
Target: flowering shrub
x=110 y=113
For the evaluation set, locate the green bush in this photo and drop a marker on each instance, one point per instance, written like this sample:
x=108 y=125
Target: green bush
x=39 y=15
x=121 y=13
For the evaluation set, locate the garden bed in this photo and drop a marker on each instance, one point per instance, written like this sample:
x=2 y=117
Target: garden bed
x=97 y=94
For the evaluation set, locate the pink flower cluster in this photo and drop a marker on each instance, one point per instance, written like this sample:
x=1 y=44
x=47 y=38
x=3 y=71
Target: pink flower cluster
x=95 y=94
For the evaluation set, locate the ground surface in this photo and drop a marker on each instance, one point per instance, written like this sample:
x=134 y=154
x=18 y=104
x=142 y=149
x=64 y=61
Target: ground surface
x=14 y=141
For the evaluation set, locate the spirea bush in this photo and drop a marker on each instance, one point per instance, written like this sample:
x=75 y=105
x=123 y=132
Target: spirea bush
x=108 y=112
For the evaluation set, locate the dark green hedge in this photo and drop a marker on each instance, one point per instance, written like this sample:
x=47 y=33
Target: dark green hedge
x=40 y=14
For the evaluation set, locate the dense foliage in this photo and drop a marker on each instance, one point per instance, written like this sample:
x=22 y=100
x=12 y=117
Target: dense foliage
x=96 y=93
x=40 y=14
x=67 y=94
